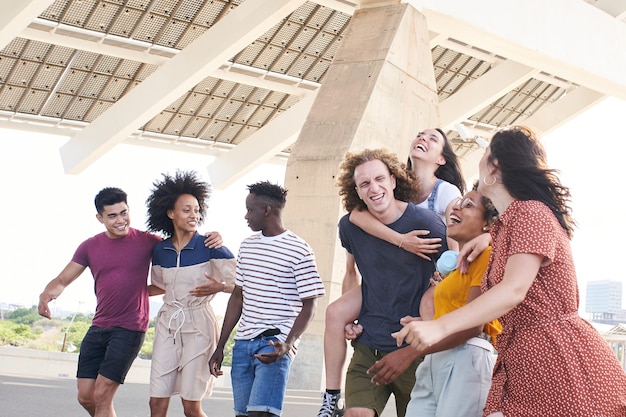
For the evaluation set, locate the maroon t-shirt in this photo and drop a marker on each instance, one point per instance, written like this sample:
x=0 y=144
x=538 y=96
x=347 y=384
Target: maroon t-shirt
x=120 y=270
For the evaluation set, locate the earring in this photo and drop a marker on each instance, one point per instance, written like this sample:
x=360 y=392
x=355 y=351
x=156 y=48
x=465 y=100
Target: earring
x=485 y=229
x=489 y=184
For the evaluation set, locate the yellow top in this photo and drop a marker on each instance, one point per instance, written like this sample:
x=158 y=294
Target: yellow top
x=452 y=292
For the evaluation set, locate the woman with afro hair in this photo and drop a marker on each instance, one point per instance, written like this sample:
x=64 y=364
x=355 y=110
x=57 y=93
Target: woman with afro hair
x=189 y=274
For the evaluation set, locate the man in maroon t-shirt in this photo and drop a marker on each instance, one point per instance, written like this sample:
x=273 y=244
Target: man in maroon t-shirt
x=119 y=260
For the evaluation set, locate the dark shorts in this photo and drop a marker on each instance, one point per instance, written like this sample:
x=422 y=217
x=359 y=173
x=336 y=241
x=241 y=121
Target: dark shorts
x=108 y=352
x=362 y=393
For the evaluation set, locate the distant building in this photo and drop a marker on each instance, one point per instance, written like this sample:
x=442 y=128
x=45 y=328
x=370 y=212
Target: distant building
x=7 y=308
x=615 y=336
x=604 y=302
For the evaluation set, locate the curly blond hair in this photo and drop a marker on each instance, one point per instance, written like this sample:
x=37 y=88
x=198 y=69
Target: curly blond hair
x=407 y=185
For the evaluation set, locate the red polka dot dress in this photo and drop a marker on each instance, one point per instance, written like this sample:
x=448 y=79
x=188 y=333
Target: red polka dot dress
x=550 y=361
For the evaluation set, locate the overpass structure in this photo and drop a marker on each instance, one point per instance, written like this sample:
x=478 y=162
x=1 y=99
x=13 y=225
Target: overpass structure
x=250 y=81
x=235 y=79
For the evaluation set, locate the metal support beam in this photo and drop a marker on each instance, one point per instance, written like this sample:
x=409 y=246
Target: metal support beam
x=483 y=91
x=76 y=38
x=16 y=15
x=259 y=148
x=205 y=55
x=563 y=110
x=559 y=37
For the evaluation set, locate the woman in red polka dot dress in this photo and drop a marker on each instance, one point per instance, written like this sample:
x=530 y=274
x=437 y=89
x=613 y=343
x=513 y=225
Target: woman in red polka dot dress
x=551 y=362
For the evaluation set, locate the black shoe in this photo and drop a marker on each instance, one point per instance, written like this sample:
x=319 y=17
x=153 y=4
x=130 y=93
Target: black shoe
x=332 y=405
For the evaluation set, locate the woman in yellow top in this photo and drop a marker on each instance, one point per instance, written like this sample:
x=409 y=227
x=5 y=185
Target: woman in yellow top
x=455 y=381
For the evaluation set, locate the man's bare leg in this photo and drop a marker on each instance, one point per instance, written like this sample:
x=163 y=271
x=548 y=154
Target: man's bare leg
x=104 y=392
x=342 y=311
x=360 y=412
x=86 y=389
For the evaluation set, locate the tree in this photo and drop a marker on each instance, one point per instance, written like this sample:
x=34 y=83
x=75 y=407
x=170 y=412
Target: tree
x=26 y=316
x=146 y=348
x=24 y=327
x=81 y=317
x=75 y=333
x=228 y=348
x=15 y=334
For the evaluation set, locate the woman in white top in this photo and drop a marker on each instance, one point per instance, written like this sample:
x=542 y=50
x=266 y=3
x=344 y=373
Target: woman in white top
x=435 y=164
x=189 y=274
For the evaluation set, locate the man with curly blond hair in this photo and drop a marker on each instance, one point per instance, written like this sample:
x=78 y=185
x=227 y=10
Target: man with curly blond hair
x=393 y=280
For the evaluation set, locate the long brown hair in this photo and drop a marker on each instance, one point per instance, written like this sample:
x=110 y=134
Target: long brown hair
x=522 y=161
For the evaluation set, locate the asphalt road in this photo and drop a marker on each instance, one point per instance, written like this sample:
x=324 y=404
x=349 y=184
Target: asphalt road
x=52 y=397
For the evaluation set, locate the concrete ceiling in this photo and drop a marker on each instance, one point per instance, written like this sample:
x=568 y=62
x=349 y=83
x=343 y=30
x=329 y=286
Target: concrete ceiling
x=236 y=79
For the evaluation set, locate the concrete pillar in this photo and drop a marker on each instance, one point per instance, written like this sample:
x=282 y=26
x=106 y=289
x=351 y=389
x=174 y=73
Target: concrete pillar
x=378 y=92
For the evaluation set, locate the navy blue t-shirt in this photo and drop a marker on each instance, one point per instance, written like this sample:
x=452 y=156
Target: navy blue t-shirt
x=393 y=280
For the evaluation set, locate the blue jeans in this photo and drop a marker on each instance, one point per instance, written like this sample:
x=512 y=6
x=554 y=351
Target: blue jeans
x=257 y=386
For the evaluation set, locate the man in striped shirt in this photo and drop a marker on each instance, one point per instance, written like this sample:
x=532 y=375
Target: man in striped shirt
x=274 y=300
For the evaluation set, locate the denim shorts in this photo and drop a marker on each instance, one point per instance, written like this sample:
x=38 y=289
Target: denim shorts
x=257 y=386
x=108 y=352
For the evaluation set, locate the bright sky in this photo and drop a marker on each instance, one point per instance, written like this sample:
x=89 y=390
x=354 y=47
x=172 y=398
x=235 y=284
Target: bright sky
x=47 y=213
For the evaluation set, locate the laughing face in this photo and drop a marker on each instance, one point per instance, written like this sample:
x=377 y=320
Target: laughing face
x=428 y=147
x=116 y=220
x=467 y=219
x=186 y=214
x=375 y=185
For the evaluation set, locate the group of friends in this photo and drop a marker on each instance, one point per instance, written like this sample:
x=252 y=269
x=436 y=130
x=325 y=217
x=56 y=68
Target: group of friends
x=426 y=338
x=274 y=285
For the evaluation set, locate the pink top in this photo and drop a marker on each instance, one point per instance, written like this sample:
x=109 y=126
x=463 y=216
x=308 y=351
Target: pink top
x=120 y=271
